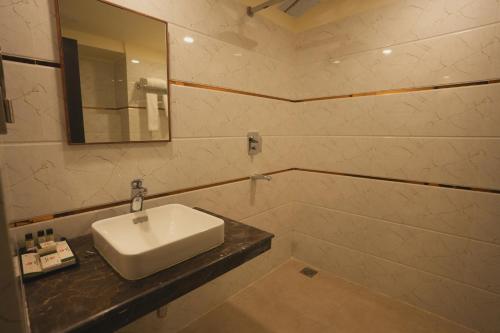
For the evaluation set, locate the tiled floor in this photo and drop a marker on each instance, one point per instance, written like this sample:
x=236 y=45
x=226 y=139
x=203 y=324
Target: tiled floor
x=287 y=301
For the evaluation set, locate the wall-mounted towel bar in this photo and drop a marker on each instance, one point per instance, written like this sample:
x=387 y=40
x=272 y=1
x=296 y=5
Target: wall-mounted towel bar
x=158 y=85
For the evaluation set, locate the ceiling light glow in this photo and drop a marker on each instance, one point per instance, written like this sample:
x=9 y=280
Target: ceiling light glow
x=189 y=39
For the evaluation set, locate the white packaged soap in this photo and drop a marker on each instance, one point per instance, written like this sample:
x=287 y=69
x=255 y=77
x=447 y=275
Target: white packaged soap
x=50 y=261
x=64 y=251
x=31 y=263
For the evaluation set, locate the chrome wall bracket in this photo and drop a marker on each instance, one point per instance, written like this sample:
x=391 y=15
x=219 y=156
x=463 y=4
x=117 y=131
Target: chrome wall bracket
x=6 y=111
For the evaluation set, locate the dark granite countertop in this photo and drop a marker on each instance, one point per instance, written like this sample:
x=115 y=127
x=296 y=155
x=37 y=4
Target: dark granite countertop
x=92 y=297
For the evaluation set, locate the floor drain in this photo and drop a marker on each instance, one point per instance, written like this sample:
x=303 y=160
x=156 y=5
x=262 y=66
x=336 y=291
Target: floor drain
x=309 y=272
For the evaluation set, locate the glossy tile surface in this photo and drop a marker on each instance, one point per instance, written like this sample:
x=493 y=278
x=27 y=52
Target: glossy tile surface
x=287 y=301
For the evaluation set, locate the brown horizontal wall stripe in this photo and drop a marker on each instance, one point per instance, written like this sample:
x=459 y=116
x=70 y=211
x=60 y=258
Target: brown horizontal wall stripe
x=228 y=90
x=399 y=91
x=47 y=217
x=397 y=180
x=117 y=108
x=241 y=92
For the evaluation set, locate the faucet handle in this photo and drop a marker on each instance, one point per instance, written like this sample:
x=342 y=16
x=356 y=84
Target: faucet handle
x=136 y=183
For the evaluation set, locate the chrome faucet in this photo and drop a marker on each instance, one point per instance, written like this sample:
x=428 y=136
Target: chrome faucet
x=257 y=177
x=137 y=196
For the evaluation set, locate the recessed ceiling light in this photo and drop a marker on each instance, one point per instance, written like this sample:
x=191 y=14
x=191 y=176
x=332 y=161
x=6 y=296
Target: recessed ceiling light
x=189 y=39
x=387 y=51
x=134 y=61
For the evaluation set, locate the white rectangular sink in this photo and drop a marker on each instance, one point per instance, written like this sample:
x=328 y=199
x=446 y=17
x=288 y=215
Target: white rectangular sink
x=139 y=244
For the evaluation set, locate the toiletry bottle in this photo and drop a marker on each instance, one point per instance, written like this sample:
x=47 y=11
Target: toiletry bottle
x=41 y=236
x=49 y=235
x=29 y=242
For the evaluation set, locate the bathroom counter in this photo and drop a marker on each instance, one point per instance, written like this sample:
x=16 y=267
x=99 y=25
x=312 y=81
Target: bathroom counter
x=92 y=297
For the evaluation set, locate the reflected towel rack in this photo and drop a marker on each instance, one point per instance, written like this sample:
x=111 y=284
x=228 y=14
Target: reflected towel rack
x=158 y=85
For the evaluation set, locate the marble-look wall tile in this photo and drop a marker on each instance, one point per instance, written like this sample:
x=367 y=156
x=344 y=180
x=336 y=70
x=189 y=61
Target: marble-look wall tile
x=457 y=258
x=278 y=221
x=36 y=95
x=460 y=57
x=190 y=307
x=459 y=302
x=455 y=161
x=46 y=178
x=28 y=28
x=209 y=61
x=207 y=113
x=225 y=20
x=473 y=215
x=465 y=112
x=264 y=204
x=398 y=22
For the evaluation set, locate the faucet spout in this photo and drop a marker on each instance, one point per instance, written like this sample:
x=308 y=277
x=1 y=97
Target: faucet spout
x=259 y=176
x=137 y=195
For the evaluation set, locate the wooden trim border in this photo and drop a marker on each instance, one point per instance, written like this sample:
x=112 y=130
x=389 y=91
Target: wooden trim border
x=400 y=91
x=398 y=180
x=44 y=218
x=27 y=60
x=47 y=217
x=228 y=90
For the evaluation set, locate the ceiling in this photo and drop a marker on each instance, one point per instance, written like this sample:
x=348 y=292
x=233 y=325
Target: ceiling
x=325 y=12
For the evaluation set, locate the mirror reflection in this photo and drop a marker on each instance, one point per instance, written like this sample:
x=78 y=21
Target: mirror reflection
x=115 y=73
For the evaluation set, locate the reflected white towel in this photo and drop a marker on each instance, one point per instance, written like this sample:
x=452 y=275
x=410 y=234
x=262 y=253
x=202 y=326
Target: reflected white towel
x=164 y=98
x=152 y=108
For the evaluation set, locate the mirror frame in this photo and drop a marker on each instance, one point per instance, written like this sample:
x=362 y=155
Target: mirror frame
x=65 y=90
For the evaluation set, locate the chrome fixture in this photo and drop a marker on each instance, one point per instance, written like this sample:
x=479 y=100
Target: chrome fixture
x=254 y=143
x=291 y=7
x=137 y=196
x=6 y=114
x=259 y=176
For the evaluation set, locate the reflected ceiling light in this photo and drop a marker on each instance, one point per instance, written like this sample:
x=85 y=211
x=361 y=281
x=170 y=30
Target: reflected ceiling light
x=134 y=61
x=387 y=51
x=336 y=62
x=237 y=54
x=189 y=39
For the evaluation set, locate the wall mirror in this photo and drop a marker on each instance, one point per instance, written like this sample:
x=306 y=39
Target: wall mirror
x=115 y=73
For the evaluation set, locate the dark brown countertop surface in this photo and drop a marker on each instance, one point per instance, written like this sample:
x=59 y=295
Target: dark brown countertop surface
x=92 y=297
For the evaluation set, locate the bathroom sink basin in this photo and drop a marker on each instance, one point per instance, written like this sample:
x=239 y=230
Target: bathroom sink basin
x=139 y=244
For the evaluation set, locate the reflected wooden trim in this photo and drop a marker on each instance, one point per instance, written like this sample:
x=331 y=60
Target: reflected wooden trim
x=48 y=217
x=61 y=65
x=117 y=108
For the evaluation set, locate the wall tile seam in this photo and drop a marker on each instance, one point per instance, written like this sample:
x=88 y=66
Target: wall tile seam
x=396 y=91
x=400 y=224
x=51 y=216
x=495 y=294
x=457 y=32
